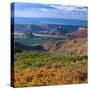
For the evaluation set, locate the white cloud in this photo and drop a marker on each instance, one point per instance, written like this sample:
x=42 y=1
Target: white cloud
x=55 y=11
x=69 y=7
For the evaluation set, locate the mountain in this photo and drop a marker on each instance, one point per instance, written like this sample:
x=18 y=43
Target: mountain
x=67 y=47
x=50 y=29
x=57 y=31
x=22 y=20
x=80 y=32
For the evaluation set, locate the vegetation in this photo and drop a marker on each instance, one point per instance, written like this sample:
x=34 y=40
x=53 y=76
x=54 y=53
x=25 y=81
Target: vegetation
x=39 y=69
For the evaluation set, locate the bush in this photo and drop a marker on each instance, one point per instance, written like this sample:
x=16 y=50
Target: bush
x=35 y=59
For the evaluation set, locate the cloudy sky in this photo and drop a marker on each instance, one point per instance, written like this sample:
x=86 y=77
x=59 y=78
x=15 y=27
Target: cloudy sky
x=32 y=10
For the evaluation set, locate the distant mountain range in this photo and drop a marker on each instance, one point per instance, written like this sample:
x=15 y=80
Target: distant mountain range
x=20 y=20
x=51 y=29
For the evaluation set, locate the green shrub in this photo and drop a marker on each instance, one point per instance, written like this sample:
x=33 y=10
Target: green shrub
x=35 y=59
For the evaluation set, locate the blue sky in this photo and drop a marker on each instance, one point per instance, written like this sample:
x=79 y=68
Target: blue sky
x=32 y=10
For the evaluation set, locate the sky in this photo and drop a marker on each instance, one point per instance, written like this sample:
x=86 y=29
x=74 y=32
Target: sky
x=36 y=10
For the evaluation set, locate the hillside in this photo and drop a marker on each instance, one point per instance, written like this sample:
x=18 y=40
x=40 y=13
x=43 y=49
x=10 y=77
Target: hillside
x=40 y=69
x=80 y=32
x=67 y=47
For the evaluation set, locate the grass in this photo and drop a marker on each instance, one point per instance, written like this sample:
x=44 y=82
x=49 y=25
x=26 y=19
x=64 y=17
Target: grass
x=35 y=59
x=40 y=69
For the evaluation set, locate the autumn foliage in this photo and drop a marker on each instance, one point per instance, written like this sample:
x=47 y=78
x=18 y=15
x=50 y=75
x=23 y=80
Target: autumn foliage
x=36 y=69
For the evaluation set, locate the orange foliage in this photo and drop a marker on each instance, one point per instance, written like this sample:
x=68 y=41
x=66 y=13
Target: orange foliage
x=56 y=74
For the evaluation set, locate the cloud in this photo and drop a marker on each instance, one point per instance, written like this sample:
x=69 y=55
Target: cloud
x=69 y=7
x=51 y=11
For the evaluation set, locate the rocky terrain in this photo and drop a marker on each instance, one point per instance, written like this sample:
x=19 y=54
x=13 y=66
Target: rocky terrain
x=80 y=32
x=67 y=47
